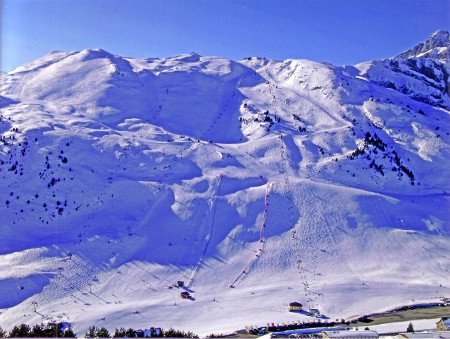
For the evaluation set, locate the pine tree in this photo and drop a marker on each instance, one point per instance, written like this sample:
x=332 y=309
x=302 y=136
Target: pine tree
x=130 y=333
x=410 y=328
x=103 y=333
x=21 y=331
x=120 y=333
x=37 y=331
x=53 y=330
x=69 y=333
x=91 y=332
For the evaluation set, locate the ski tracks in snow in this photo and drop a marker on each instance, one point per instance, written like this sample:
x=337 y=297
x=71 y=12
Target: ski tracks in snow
x=262 y=241
x=193 y=274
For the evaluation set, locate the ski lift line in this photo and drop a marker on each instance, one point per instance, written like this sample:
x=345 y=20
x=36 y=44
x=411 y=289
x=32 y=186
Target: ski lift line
x=81 y=263
x=75 y=297
x=60 y=270
x=212 y=125
x=272 y=95
x=91 y=274
x=261 y=239
x=104 y=270
x=428 y=251
x=290 y=197
x=331 y=239
x=187 y=145
x=191 y=272
x=209 y=128
x=266 y=206
x=283 y=156
x=73 y=286
x=246 y=267
x=94 y=271
x=208 y=236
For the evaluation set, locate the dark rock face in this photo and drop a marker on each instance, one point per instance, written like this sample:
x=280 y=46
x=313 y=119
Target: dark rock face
x=426 y=67
x=436 y=47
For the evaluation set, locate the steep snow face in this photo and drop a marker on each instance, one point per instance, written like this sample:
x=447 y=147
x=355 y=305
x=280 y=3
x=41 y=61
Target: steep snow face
x=421 y=72
x=257 y=183
x=422 y=79
x=436 y=47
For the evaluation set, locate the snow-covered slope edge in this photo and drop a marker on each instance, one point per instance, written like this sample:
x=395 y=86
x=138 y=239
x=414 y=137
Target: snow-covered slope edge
x=256 y=182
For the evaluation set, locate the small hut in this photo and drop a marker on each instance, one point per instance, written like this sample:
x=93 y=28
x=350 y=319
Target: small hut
x=180 y=283
x=295 y=306
x=185 y=295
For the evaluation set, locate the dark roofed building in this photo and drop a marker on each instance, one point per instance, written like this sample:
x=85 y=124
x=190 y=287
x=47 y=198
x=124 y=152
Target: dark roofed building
x=185 y=295
x=295 y=306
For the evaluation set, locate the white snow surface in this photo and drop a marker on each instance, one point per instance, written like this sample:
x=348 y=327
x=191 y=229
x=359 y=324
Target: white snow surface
x=398 y=327
x=120 y=176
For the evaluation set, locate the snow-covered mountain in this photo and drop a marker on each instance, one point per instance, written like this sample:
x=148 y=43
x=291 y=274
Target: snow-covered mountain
x=257 y=183
x=421 y=72
x=436 y=47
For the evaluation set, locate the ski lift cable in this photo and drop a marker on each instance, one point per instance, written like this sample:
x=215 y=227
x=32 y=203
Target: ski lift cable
x=261 y=239
x=209 y=236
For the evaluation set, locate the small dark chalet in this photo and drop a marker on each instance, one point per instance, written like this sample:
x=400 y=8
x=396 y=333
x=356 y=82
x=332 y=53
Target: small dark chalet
x=185 y=295
x=295 y=306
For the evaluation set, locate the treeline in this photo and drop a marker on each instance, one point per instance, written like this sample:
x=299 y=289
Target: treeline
x=61 y=330
x=39 y=331
x=153 y=332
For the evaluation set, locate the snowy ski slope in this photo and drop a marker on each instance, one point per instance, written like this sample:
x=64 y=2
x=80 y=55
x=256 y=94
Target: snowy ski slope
x=257 y=183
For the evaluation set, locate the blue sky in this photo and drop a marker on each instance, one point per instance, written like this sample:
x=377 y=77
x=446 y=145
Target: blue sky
x=340 y=32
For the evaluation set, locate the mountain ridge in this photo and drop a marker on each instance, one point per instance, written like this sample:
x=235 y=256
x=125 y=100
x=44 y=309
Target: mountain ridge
x=436 y=47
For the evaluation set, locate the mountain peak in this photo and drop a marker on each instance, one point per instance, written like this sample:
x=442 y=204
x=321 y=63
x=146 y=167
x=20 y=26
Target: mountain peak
x=435 y=47
x=95 y=53
x=441 y=35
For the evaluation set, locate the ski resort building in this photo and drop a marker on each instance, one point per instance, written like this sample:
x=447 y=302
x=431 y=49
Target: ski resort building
x=443 y=325
x=185 y=295
x=295 y=306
